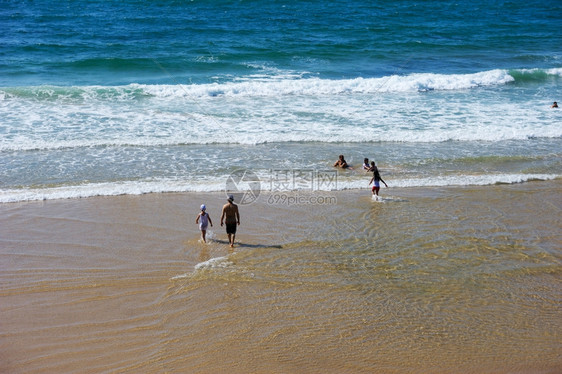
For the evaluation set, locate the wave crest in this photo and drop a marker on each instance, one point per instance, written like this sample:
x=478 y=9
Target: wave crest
x=273 y=86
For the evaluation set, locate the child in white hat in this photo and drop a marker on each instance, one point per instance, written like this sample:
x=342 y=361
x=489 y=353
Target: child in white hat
x=203 y=219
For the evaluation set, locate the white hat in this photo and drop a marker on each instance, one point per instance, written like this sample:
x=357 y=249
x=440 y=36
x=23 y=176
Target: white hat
x=203 y=207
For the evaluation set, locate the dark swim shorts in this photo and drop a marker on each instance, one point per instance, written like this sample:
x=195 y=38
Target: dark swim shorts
x=231 y=228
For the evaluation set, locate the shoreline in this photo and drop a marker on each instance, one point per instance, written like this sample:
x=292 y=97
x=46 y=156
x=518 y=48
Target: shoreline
x=179 y=209
x=84 y=192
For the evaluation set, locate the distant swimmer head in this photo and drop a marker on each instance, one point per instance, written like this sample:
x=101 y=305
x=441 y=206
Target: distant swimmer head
x=231 y=198
x=203 y=207
x=554 y=105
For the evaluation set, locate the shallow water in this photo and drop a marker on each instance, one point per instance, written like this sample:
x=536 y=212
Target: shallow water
x=454 y=280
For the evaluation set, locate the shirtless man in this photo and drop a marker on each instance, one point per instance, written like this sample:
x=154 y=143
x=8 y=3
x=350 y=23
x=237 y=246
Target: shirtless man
x=230 y=212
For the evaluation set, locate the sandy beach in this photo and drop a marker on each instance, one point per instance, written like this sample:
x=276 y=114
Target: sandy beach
x=431 y=280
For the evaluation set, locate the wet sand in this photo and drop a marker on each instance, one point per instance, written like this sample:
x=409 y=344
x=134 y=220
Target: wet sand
x=431 y=280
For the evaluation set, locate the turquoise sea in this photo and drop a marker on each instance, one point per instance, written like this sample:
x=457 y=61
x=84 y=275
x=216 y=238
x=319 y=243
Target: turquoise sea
x=128 y=97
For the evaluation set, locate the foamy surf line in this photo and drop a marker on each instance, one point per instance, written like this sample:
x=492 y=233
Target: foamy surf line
x=314 y=86
x=140 y=188
x=273 y=86
x=498 y=132
x=467 y=180
x=104 y=189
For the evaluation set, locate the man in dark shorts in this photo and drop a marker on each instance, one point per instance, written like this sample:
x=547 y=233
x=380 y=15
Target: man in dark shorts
x=230 y=212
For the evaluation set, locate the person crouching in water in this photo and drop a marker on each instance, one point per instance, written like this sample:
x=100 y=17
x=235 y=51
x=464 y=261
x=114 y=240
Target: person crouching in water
x=341 y=163
x=203 y=219
x=376 y=179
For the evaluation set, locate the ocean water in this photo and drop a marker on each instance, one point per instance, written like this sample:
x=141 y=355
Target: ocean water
x=107 y=98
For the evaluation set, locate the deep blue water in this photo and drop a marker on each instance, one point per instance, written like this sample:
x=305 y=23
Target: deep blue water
x=122 y=42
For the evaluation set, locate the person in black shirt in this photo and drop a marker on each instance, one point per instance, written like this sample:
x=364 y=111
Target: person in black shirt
x=376 y=179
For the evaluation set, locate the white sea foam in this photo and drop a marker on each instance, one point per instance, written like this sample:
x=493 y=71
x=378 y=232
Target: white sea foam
x=106 y=189
x=474 y=180
x=275 y=85
x=211 y=264
x=181 y=276
x=164 y=186
x=319 y=87
x=308 y=120
x=214 y=263
x=458 y=180
x=272 y=110
x=555 y=71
